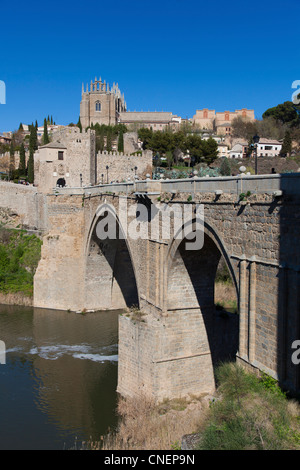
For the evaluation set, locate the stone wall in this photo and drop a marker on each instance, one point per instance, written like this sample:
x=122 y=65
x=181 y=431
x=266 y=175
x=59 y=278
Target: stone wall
x=28 y=204
x=121 y=167
x=59 y=277
x=77 y=166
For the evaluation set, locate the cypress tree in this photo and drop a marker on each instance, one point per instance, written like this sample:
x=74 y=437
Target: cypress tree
x=11 y=160
x=32 y=148
x=121 y=141
x=109 y=141
x=22 y=163
x=45 y=137
x=30 y=168
x=286 y=145
x=79 y=124
x=225 y=168
x=100 y=142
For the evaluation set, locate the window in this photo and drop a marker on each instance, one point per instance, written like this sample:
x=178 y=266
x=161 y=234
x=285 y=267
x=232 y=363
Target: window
x=98 y=106
x=60 y=155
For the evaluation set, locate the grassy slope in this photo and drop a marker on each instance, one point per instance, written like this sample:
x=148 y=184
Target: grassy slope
x=19 y=257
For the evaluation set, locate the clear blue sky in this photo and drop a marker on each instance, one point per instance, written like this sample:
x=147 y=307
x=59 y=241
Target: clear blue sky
x=174 y=55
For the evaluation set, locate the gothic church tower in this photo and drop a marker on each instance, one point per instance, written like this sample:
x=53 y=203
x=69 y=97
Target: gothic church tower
x=101 y=104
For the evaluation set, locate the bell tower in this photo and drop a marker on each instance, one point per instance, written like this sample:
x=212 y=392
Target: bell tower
x=100 y=104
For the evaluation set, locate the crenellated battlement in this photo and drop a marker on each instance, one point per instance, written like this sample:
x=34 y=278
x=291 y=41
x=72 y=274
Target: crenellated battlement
x=114 y=153
x=117 y=166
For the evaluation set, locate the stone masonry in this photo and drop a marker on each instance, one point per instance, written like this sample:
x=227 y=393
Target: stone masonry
x=121 y=167
x=171 y=349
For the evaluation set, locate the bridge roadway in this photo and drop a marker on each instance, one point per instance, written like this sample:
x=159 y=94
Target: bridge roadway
x=171 y=349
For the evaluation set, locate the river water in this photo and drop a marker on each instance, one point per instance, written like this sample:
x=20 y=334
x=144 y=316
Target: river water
x=58 y=385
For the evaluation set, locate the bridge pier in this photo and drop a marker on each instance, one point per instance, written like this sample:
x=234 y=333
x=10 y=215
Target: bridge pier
x=172 y=356
x=159 y=358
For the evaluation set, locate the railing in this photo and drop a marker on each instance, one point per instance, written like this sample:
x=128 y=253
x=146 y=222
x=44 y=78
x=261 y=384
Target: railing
x=270 y=184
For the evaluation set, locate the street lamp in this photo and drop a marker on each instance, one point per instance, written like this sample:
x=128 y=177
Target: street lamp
x=107 y=174
x=256 y=140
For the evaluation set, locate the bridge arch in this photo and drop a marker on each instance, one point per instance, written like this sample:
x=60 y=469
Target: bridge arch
x=209 y=234
x=110 y=277
x=210 y=334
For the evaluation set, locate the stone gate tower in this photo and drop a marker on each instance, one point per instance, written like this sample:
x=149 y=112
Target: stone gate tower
x=101 y=104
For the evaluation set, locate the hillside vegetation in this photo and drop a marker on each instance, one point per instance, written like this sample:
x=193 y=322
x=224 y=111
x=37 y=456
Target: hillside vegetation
x=247 y=412
x=250 y=413
x=19 y=256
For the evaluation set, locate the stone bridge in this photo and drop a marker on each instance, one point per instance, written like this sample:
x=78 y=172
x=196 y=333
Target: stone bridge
x=171 y=341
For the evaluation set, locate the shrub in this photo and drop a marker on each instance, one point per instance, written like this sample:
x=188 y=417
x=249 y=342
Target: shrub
x=19 y=257
x=252 y=413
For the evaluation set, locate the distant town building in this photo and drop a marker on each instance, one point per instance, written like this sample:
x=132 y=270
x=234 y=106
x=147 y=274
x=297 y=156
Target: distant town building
x=5 y=139
x=223 y=150
x=239 y=150
x=157 y=120
x=104 y=105
x=268 y=148
x=220 y=122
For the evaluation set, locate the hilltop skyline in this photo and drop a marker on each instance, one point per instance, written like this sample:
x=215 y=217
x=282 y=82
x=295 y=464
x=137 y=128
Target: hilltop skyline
x=166 y=56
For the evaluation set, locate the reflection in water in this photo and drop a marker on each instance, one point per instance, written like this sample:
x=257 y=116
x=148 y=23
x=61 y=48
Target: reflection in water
x=60 y=378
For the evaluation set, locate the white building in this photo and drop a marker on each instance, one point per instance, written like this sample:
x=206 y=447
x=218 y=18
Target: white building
x=223 y=150
x=268 y=148
x=239 y=150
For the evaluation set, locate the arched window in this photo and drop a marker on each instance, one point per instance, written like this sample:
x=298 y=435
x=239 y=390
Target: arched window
x=98 y=106
x=61 y=182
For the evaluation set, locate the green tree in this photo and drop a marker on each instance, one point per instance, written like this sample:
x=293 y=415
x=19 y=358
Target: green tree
x=285 y=113
x=22 y=163
x=45 y=136
x=145 y=135
x=169 y=157
x=32 y=147
x=210 y=150
x=225 y=168
x=11 y=160
x=79 y=124
x=30 y=167
x=121 y=141
x=286 y=145
x=109 y=141
x=100 y=142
